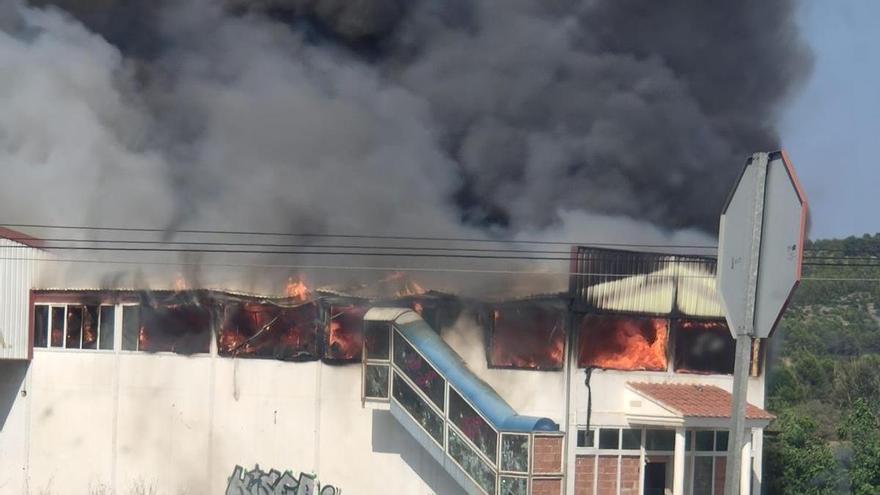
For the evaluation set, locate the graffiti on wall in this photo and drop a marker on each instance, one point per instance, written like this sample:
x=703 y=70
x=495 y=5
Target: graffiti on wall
x=274 y=482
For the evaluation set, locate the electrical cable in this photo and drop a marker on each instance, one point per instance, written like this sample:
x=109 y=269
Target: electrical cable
x=340 y=236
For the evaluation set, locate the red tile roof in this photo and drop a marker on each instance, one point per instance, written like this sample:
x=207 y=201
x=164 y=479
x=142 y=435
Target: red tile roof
x=697 y=401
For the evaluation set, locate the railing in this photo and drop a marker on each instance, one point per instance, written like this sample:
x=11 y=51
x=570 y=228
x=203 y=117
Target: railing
x=495 y=461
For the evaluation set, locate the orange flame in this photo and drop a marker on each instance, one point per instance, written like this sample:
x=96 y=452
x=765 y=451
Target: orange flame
x=404 y=286
x=623 y=343
x=296 y=289
x=180 y=283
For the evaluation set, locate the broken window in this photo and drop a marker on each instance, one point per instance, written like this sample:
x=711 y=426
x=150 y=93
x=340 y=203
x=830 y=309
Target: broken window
x=89 y=327
x=514 y=485
x=422 y=374
x=623 y=343
x=376 y=381
x=527 y=337
x=180 y=326
x=377 y=367
x=418 y=408
x=474 y=427
x=345 y=333
x=265 y=330
x=41 y=326
x=74 y=327
x=703 y=347
x=514 y=452
x=377 y=340
x=471 y=462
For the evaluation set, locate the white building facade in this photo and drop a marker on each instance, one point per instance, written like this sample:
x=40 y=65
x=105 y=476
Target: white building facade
x=136 y=392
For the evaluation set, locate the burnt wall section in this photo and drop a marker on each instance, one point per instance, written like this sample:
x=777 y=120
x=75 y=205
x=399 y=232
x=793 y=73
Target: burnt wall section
x=285 y=330
x=526 y=335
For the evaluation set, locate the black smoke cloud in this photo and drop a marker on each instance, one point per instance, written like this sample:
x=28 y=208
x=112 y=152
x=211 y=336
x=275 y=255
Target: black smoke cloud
x=634 y=108
x=577 y=120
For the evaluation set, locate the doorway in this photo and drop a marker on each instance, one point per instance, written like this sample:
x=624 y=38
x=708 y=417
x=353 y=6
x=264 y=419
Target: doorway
x=655 y=478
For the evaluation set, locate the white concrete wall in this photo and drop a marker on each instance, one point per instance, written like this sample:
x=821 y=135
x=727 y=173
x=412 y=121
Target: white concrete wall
x=534 y=393
x=96 y=420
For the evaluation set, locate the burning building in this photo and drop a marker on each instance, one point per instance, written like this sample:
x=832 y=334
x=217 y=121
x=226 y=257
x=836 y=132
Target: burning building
x=619 y=386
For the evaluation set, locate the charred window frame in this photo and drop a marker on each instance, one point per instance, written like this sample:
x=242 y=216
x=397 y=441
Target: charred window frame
x=74 y=326
x=703 y=346
x=608 y=341
x=528 y=336
x=178 y=323
x=344 y=333
x=376 y=361
x=263 y=329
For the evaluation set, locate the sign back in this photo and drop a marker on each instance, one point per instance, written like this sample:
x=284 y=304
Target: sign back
x=761 y=242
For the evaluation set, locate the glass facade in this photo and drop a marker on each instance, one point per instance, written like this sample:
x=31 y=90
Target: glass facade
x=418 y=408
x=419 y=371
x=471 y=462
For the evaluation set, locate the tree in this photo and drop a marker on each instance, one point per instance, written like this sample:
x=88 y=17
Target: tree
x=798 y=461
x=862 y=428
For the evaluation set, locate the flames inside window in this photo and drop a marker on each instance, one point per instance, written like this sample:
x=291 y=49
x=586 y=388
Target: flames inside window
x=345 y=335
x=528 y=336
x=623 y=343
x=263 y=330
x=703 y=347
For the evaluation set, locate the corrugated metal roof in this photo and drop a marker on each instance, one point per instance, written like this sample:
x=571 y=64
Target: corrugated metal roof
x=642 y=282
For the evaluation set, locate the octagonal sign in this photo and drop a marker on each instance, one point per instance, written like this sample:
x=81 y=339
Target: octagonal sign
x=761 y=244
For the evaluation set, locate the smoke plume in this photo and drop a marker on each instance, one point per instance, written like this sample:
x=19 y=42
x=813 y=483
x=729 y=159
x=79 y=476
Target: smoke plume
x=463 y=117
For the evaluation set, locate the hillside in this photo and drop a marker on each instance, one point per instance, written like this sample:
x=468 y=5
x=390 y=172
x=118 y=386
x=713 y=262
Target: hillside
x=824 y=375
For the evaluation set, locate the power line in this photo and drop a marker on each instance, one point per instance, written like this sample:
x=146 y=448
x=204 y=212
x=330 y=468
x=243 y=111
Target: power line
x=347 y=267
x=343 y=236
x=399 y=252
x=345 y=246
x=397 y=268
x=308 y=245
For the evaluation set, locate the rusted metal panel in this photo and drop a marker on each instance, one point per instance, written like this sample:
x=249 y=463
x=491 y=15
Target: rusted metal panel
x=19 y=269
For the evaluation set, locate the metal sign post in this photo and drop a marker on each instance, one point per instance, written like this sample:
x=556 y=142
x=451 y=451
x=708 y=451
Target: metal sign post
x=760 y=249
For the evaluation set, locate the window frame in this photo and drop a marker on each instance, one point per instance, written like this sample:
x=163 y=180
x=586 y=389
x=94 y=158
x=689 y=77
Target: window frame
x=65 y=307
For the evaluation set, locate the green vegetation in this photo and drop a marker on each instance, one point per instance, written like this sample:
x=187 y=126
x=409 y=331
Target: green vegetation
x=824 y=377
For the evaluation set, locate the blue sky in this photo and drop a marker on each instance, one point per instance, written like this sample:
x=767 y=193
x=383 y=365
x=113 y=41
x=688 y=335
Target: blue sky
x=831 y=129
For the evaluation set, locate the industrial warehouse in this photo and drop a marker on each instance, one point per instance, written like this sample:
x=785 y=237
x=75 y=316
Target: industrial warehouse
x=621 y=385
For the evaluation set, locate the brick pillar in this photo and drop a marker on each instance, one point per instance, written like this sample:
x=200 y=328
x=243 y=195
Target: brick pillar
x=629 y=475
x=547 y=458
x=584 y=467
x=548 y=455
x=547 y=486
x=607 y=475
